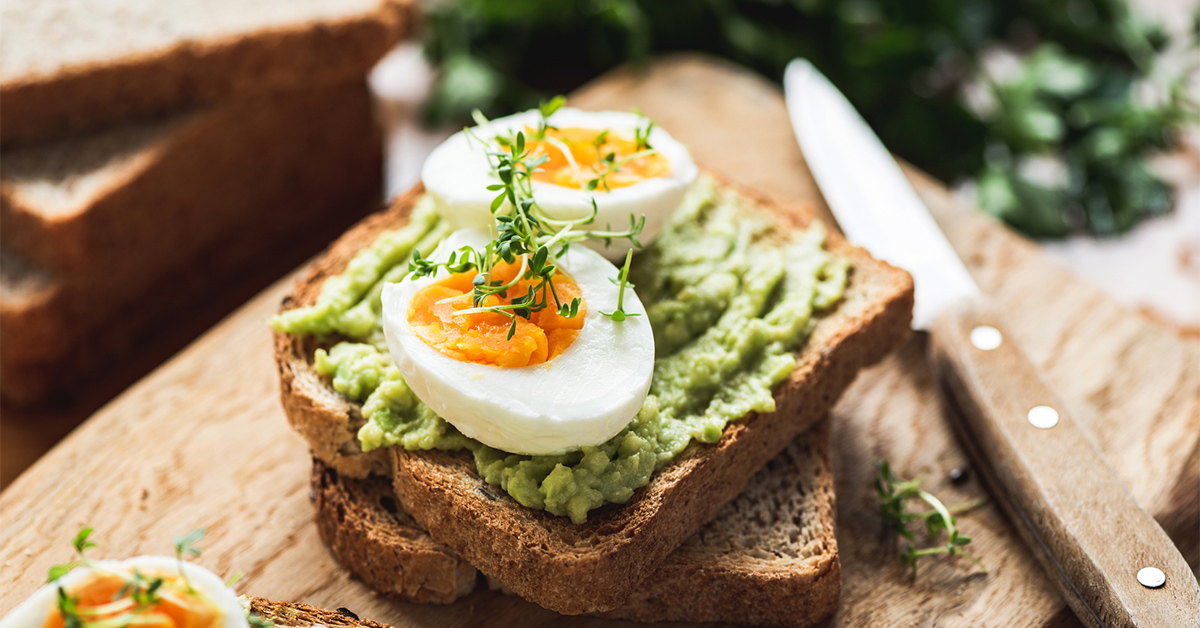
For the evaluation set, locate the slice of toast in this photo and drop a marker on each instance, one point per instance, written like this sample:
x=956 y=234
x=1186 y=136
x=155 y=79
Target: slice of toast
x=111 y=235
x=297 y=615
x=769 y=558
x=371 y=535
x=596 y=566
x=69 y=65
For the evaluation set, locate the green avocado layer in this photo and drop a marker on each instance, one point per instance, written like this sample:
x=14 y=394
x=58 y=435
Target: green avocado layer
x=729 y=299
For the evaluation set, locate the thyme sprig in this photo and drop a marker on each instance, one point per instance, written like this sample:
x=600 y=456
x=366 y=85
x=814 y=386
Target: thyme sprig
x=524 y=232
x=895 y=493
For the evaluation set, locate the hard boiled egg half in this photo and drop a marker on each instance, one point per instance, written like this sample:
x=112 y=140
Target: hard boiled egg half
x=558 y=384
x=632 y=167
x=191 y=597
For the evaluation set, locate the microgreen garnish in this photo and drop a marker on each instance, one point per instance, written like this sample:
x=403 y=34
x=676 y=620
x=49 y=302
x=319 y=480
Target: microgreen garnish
x=139 y=593
x=186 y=546
x=622 y=281
x=82 y=543
x=258 y=621
x=641 y=136
x=547 y=109
x=600 y=139
x=894 y=494
x=612 y=165
x=524 y=232
x=142 y=590
x=68 y=608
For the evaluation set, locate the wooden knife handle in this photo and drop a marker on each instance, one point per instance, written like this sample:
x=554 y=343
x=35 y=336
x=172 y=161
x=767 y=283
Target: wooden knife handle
x=1068 y=504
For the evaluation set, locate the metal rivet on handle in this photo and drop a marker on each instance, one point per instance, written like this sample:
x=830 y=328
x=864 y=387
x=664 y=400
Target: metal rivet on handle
x=986 y=337
x=1044 y=417
x=1151 y=577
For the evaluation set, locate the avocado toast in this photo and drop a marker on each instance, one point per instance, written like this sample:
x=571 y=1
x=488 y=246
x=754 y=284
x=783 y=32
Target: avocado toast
x=597 y=565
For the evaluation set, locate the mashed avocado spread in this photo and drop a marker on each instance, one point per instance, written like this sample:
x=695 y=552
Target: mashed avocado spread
x=729 y=298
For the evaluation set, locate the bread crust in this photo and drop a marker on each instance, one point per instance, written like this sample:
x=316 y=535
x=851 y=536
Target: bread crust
x=186 y=228
x=205 y=70
x=363 y=525
x=297 y=615
x=596 y=566
x=692 y=584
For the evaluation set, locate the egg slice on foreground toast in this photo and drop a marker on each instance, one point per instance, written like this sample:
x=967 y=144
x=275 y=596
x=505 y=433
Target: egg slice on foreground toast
x=571 y=381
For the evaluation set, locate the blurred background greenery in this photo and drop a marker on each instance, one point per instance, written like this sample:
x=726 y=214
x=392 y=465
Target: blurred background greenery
x=1050 y=108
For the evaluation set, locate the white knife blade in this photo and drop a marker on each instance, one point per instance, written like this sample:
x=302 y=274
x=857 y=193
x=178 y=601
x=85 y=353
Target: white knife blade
x=874 y=204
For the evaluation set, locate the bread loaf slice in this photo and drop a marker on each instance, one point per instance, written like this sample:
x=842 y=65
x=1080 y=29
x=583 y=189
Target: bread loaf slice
x=297 y=615
x=68 y=64
x=112 y=234
x=596 y=566
x=769 y=558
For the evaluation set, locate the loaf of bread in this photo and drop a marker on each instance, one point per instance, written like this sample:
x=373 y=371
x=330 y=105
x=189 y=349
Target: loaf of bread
x=70 y=64
x=114 y=235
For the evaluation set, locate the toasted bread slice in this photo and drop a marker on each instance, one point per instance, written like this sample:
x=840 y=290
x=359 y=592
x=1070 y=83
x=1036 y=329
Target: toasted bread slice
x=65 y=66
x=112 y=235
x=371 y=535
x=297 y=615
x=769 y=558
x=596 y=566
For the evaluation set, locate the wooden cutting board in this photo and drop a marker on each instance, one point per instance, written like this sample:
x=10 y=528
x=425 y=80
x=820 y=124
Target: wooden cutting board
x=202 y=441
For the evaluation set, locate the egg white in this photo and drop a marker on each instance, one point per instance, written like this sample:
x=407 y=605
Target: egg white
x=33 y=612
x=457 y=174
x=584 y=396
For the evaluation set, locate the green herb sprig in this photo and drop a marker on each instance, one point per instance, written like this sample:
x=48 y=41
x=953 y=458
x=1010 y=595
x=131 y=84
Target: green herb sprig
x=524 y=232
x=613 y=165
x=622 y=282
x=186 y=546
x=82 y=543
x=895 y=493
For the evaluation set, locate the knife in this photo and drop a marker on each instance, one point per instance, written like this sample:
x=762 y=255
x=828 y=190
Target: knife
x=1110 y=560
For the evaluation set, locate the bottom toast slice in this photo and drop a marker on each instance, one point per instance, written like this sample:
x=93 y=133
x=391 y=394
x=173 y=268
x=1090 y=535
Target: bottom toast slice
x=769 y=558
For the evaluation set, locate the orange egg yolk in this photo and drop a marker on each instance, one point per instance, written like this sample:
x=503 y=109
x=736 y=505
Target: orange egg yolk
x=591 y=151
x=99 y=598
x=482 y=337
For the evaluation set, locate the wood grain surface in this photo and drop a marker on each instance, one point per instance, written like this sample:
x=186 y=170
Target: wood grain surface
x=1047 y=475
x=202 y=441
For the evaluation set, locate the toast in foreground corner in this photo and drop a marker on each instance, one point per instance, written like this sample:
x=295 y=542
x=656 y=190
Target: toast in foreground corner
x=549 y=442
x=157 y=591
x=769 y=557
